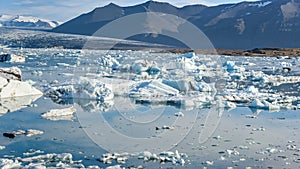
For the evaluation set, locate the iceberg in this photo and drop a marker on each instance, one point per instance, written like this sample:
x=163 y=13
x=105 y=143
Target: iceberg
x=258 y=104
x=60 y=114
x=14 y=88
x=86 y=88
x=232 y=67
x=4 y=57
x=186 y=85
x=152 y=88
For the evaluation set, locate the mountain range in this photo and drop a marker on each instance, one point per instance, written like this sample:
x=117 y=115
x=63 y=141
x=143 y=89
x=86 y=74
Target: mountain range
x=245 y=25
x=26 y=22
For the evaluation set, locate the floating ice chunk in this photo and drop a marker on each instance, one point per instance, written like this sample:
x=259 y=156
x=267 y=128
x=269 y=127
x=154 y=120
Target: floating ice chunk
x=252 y=90
x=231 y=67
x=85 y=89
x=115 y=167
x=60 y=114
x=188 y=55
x=33 y=152
x=286 y=65
x=232 y=152
x=4 y=57
x=140 y=66
x=9 y=164
x=32 y=132
x=179 y=114
x=65 y=157
x=209 y=163
x=257 y=104
x=13 y=73
x=227 y=104
x=263 y=105
x=2 y=147
x=109 y=61
x=28 y=133
x=15 y=88
x=189 y=85
x=152 y=88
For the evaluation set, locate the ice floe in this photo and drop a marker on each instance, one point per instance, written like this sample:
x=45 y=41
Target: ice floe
x=60 y=114
x=263 y=105
x=28 y=133
x=174 y=158
x=64 y=160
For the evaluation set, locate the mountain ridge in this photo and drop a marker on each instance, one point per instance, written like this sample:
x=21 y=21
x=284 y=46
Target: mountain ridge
x=244 y=25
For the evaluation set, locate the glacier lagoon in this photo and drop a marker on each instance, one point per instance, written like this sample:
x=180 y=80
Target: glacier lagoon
x=155 y=110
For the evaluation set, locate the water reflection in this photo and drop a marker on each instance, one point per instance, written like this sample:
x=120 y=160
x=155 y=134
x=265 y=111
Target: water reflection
x=134 y=127
x=16 y=103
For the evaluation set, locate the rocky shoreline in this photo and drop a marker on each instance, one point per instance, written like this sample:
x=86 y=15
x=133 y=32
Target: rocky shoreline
x=258 y=52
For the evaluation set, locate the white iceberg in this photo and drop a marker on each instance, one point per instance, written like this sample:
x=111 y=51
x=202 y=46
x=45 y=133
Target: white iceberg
x=14 y=88
x=86 y=88
x=186 y=85
x=7 y=163
x=60 y=114
x=152 y=88
x=232 y=67
x=109 y=61
x=4 y=57
x=256 y=103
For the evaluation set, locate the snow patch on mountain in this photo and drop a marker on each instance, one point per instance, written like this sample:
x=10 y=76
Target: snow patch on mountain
x=260 y=4
x=26 y=21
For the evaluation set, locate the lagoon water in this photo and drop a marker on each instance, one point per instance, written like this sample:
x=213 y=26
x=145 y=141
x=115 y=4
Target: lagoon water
x=208 y=135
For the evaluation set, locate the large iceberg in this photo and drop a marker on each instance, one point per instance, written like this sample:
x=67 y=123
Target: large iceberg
x=15 y=94
x=12 y=86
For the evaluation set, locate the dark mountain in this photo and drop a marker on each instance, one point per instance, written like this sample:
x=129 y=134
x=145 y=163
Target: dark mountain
x=245 y=25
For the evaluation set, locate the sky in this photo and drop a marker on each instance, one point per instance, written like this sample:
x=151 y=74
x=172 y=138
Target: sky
x=64 y=10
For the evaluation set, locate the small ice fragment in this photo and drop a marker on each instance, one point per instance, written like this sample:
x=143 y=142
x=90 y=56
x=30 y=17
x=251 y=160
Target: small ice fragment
x=209 y=162
x=115 y=167
x=32 y=132
x=2 y=147
x=33 y=152
x=7 y=163
x=222 y=158
x=258 y=129
x=60 y=114
x=167 y=127
x=179 y=114
x=272 y=150
x=232 y=152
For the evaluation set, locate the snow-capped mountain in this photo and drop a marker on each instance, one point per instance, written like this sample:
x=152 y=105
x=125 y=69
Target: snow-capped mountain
x=26 y=21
